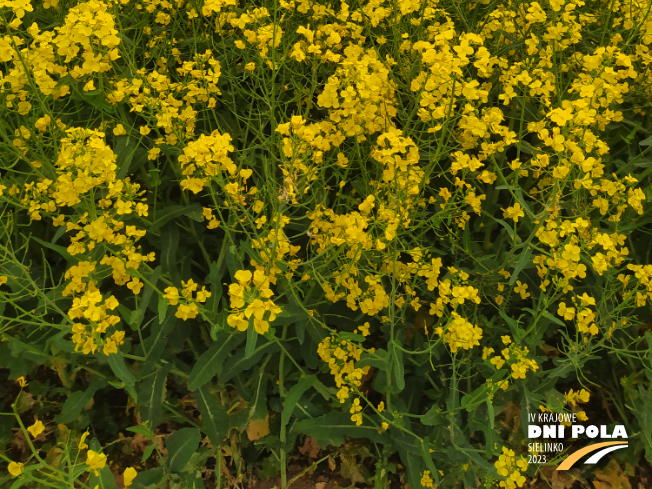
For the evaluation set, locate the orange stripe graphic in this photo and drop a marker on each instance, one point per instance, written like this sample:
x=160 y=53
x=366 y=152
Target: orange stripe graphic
x=571 y=459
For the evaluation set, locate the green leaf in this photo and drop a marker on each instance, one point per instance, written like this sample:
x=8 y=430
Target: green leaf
x=522 y=262
x=293 y=397
x=351 y=337
x=75 y=402
x=433 y=417
x=169 y=245
x=152 y=395
x=646 y=142
x=148 y=479
x=397 y=365
x=162 y=309
x=155 y=343
x=554 y=319
x=517 y=332
x=233 y=259
x=555 y=400
x=181 y=445
x=120 y=369
x=59 y=249
x=146 y=432
x=210 y=363
x=425 y=453
x=20 y=483
x=238 y=363
x=170 y=213
x=371 y=359
x=139 y=314
x=214 y=420
x=331 y=428
x=471 y=401
x=124 y=149
x=148 y=452
x=490 y=410
x=252 y=339
x=643 y=413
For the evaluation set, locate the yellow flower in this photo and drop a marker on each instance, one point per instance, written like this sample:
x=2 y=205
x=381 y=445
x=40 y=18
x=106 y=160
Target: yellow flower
x=513 y=212
x=385 y=426
x=135 y=285
x=426 y=480
x=21 y=381
x=95 y=461
x=187 y=311
x=42 y=123
x=3 y=279
x=172 y=295
x=36 y=429
x=364 y=329
x=83 y=445
x=129 y=476
x=243 y=276
x=15 y=468
x=257 y=308
x=521 y=289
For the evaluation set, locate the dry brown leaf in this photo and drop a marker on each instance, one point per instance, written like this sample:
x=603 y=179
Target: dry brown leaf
x=320 y=485
x=611 y=477
x=20 y=443
x=310 y=447
x=258 y=428
x=564 y=479
x=138 y=442
x=53 y=457
x=350 y=468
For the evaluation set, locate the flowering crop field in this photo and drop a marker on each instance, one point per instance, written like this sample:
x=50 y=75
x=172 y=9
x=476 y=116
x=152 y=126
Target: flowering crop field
x=372 y=240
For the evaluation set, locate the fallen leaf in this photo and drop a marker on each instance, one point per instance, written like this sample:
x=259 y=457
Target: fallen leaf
x=350 y=468
x=565 y=479
x=310 y=447
x=258 y=428
x=611 y=477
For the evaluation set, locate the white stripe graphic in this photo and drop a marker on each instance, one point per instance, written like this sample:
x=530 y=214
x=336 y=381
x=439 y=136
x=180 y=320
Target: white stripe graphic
x=595 y=458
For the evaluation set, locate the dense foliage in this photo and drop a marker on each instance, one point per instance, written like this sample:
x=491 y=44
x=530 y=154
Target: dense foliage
x=405 y=222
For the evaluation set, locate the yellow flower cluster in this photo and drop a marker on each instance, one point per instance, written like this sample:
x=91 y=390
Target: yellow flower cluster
x=426 y=479
x=360 y=95
x=574 y=398
x=252 y=293
x=206 y=158
x=303 y=146
x=341 y=357
x=508 y=466
x=86 y=179
x=188 y=308
x=274 y=247
x=260 y=34
x=451 y=292
x=460 y=333
x=584 y=316
x=515 y=356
